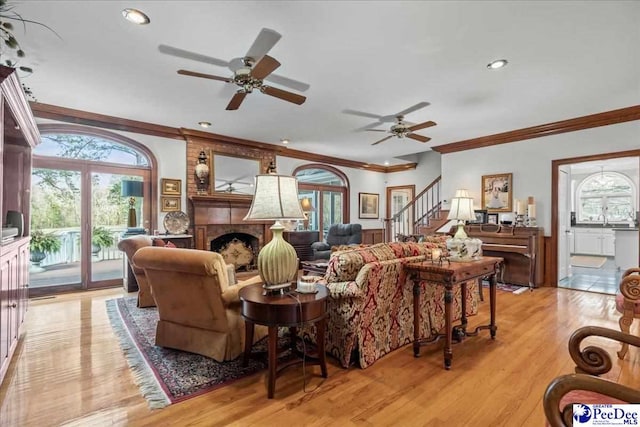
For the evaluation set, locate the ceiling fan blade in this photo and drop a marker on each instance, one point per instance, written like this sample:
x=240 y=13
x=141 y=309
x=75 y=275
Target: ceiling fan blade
x=263 y=43
x=204 y=76
x=416 y=107
x=290 y=83
x=283 y=94
x=419 y=137
x=367 y=127
x=377 y=130
x=382 y=140
x=181 y=53
x=362 y=114
x=236 y=100
x=265 y=67
x=422 y=125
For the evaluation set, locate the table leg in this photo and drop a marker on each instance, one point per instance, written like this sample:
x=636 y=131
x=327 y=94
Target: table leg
x=273 y=358
x=492 y=303
x=320 y=326
x=448 y=321
x=463 y=305
x=416 y=317
x=248 y=341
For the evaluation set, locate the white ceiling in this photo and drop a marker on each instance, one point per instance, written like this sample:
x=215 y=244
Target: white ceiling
x=566 y=59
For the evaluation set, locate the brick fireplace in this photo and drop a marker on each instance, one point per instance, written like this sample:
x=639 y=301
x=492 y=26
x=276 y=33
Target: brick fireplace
x=222 y=214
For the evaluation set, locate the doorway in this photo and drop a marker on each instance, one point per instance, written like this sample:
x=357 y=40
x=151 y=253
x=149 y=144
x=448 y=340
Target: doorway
x=594 y=199
x=82 y=215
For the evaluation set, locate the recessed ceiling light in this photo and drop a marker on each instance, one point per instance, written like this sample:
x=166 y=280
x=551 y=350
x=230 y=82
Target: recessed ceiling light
x=498 y=63
x=386 y=162
x=284 y=141
x=204 y=124
x=136 y=16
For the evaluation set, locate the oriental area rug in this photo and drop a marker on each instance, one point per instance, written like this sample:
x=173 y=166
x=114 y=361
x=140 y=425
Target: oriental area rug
x=164 y=375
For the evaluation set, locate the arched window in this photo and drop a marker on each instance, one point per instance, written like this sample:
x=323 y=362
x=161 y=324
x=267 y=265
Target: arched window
x=606 y=197
x=78 y=188
x=328 y=189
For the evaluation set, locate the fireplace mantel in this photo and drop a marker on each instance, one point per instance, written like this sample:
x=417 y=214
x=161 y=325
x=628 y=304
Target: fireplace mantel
x=221 y=213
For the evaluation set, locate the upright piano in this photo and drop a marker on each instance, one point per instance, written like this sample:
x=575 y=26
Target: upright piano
x=521 y=247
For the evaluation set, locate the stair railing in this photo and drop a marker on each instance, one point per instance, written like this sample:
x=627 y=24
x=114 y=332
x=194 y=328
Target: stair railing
x=416 y=214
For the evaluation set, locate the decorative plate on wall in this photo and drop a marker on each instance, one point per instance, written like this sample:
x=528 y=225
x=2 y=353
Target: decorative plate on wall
x=176 y=222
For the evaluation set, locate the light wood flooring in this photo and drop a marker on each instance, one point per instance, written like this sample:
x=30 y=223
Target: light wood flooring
x=69 y=371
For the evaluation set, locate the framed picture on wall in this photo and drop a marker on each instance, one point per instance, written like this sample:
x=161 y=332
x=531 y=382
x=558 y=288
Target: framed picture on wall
x=169 y=204
x=171 y=187
x=368 y=205
x=497 y=193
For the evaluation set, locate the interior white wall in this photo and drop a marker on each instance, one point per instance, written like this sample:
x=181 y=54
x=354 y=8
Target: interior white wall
x=530 y=162
x=428 y=169
x=360 y=181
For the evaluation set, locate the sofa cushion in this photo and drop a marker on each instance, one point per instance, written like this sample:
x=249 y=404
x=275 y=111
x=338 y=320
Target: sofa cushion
x=345 y=265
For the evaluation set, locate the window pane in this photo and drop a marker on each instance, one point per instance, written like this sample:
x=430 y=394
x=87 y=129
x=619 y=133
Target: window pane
x=607 y=194
x=319 y=176
x=591 y=208
x=92 y=148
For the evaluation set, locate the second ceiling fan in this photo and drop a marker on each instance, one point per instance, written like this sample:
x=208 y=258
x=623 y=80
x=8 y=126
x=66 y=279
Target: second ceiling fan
x=249 y=72
x=400 y=129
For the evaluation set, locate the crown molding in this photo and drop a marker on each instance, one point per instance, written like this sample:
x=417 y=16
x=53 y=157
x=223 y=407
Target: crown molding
x=571 y=125
x=69 y=115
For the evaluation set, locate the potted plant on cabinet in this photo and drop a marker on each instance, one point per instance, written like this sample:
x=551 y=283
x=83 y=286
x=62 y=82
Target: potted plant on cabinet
x=42 y=243
x=100 y=238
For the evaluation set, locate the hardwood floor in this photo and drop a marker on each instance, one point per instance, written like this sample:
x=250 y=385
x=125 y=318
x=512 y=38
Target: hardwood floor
x=69 y=370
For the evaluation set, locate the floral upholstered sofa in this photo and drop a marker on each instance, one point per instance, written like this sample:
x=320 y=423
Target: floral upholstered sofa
x=370 y=305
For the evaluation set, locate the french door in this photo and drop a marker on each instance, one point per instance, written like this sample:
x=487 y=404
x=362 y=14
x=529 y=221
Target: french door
x=80 y=206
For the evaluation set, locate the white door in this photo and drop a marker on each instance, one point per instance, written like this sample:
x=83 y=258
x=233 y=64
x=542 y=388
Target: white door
x=564 y=223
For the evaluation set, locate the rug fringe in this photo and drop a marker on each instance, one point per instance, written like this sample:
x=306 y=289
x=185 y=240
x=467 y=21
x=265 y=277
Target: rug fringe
x=142 y=373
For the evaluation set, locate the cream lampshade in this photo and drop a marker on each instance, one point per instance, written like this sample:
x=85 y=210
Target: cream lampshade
x=276 y=198
x=461 y=210
x=462 y=247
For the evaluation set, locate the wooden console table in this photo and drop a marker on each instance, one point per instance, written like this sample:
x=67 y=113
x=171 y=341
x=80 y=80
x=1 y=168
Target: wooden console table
x=450 y=275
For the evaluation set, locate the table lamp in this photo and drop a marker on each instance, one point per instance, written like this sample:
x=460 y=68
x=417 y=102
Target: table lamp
x=307 y=207
x=276 y=198
x=461 y=246
x=132 y=189
x=461 y=210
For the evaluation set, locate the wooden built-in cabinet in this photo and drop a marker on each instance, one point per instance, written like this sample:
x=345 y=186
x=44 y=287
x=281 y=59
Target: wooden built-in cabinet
x=18 y=136
x=372 y=236
x=301 y=242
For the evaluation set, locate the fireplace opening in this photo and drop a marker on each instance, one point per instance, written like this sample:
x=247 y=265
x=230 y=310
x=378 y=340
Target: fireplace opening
x=239 y=249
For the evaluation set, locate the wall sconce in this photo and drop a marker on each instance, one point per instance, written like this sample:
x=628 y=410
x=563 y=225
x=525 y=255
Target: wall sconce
x=202 y=174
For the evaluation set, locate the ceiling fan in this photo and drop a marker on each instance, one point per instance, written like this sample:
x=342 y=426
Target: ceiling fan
x=249 y=72
x=403 y=130
x=385 y=119
x=400 y=129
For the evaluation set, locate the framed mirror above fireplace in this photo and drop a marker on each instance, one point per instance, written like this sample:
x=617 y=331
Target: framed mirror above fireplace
x=234 y=175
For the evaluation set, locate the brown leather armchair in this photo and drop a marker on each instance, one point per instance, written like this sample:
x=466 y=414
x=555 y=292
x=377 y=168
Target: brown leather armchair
x=130 y=246
x=585 y=386
x=199 y=310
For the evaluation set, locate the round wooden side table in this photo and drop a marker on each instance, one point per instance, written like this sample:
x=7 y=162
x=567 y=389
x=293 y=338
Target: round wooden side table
x=289 y=310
